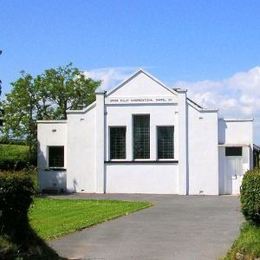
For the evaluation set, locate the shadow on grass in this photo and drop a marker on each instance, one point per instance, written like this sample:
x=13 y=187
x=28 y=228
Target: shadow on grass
x=30 y=247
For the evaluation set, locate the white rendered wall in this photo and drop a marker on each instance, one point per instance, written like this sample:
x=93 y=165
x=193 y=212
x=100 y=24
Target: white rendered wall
x=235 y=132
x=52 y=180
x=203 y=152
x=142 y=178
x=51 y=134
x=81 y=175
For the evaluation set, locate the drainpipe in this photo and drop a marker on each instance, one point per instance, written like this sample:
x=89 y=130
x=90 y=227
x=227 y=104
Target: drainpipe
x=100 y=141
x=183 y=143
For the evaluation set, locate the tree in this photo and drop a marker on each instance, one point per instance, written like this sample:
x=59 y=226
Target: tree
x=0 y=79
x=20 y=110
x=67 y=88
x=44 y=97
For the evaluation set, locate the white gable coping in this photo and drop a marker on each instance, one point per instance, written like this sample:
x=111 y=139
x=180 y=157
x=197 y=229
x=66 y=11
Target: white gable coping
x=200 y=108
x=82 y=111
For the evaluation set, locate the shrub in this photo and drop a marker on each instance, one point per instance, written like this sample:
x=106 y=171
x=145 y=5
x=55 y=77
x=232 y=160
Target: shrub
x=16 y=195
x=250 y=196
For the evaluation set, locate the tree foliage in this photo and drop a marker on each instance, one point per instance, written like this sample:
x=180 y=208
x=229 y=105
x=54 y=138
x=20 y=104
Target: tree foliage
x=1 y=109
x=45 y=97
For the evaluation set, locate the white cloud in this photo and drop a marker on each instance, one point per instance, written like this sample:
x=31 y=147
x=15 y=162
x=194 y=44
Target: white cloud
x=110 y=77
x=237 y=96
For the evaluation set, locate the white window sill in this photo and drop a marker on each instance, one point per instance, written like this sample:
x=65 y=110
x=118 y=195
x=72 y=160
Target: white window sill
x=62 y=169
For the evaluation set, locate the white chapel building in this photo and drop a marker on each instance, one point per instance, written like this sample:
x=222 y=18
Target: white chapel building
x=143 y=137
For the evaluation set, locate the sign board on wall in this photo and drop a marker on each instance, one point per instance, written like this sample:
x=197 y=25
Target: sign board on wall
x=141 y=100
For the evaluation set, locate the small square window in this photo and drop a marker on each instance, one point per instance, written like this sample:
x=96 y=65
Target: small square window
x=233 y=151
x=56 y=156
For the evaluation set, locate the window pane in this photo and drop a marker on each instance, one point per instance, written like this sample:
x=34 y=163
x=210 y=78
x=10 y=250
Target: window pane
x=141 y=136
x=233 y=151
x=117 y=143
x=56 y=156
x=165 y=139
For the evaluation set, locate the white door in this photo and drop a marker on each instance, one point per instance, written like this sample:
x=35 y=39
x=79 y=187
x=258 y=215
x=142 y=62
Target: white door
x=233 y=174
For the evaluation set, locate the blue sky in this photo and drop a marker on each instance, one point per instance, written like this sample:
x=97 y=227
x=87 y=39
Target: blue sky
x=211 y=47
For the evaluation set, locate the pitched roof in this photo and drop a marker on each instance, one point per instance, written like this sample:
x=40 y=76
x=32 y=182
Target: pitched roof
x=135 y=75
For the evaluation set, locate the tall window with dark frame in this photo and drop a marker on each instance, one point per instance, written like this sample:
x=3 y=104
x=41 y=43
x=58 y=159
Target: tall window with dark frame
x=117 y=142
x=56 y=156
x=165 y=142
x=141 y=136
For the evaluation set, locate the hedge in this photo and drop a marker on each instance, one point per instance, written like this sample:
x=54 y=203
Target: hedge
x=14 y=157
x=16 y=196
x=16 y=165
x=250 y=196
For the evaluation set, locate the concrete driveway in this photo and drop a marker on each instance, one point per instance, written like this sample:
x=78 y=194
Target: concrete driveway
x=176 y=227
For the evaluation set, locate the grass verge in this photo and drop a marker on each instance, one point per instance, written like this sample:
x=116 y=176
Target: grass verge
x=52 y=218
x=247 y=245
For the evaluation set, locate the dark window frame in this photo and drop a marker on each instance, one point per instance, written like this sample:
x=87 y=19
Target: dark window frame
x=111 y=157
x=233 y=151
x=163 y=157
x=51 y=162
x=145 y=151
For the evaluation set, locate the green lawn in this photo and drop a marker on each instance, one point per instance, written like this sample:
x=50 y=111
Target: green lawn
x=52 y=218
x=13 y=152
x=248 y=243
